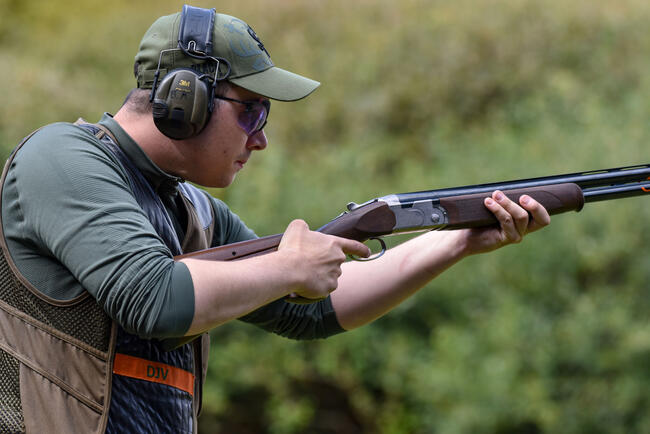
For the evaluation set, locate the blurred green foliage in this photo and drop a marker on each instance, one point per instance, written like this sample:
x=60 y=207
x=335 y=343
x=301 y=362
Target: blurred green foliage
x=549 y=336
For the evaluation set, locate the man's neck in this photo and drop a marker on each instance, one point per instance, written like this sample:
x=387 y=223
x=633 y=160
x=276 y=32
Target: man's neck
x=162 y=150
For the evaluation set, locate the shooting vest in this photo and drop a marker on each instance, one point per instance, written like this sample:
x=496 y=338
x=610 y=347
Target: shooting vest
x=65 y=366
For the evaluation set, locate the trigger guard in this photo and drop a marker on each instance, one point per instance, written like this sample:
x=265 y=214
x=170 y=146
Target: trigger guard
x=373 y=257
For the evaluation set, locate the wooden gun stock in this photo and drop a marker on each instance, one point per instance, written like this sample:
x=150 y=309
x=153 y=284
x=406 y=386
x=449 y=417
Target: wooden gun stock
x=240 y=250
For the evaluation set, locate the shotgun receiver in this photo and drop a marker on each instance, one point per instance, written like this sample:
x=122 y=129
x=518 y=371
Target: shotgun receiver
x=455 y=208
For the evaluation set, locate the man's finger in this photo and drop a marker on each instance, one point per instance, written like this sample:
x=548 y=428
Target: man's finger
x=540 y=216
x=353 y=247
x=506 y=221
x=519 y=215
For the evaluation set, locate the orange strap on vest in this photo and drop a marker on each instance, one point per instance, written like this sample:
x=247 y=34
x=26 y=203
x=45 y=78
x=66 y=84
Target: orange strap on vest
x=147 y=370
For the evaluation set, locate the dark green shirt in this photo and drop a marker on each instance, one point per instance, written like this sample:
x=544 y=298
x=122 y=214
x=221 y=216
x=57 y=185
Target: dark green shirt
x=71 y=224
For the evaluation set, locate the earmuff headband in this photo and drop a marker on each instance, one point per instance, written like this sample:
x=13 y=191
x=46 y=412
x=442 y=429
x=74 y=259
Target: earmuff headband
x=195 y=32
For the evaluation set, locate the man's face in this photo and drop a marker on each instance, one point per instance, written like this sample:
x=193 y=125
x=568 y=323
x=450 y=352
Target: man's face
x=223 y=147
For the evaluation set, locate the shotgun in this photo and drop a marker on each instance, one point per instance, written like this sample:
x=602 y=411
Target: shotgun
x=454 y=208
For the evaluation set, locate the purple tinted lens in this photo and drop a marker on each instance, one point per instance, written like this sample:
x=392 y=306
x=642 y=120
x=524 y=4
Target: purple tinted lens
x=253 y=119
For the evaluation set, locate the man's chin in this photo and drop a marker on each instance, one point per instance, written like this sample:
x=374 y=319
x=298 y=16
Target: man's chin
x=226 y=182
x=215 y=183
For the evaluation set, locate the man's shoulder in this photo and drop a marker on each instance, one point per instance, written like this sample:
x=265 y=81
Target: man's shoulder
x=59 y=140
x=60 y=132
x=61 y=153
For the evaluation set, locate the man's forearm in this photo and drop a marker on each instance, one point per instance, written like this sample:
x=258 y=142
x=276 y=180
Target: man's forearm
x=367 y=290
x=224 y=291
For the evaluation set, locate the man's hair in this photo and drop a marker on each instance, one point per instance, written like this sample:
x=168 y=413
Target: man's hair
x=137 y=101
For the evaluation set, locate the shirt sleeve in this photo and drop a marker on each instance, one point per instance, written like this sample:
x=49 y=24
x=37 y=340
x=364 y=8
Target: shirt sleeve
x=297 y=321
x=72 y=224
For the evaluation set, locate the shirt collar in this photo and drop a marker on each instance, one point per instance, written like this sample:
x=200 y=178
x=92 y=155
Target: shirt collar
x=161 y=181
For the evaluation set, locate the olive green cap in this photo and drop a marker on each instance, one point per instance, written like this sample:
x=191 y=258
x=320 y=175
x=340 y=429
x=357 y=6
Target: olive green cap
x=232 y=39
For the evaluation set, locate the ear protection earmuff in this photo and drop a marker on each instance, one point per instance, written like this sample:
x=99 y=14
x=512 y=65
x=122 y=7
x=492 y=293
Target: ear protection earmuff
x=184 y=99
x=181 y=107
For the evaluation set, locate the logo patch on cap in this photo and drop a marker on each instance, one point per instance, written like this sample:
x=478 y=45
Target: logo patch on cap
x=248 y=44
x=257 y=39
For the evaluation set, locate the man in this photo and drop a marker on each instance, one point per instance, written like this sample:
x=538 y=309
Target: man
x=101 y=329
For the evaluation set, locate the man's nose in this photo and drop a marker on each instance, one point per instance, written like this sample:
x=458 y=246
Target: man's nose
x=257 y=141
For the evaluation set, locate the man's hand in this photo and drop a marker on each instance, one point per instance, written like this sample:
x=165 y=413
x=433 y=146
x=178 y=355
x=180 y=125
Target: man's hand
x=515 y=221
x=316 y=258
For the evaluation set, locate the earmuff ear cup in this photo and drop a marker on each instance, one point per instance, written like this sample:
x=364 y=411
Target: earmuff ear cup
x=181 y=105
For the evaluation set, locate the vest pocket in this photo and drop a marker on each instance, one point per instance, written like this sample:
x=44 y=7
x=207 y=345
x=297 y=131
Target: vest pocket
x=48 y=408
x=60 y=385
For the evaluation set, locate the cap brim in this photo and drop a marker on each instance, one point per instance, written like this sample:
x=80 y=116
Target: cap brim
x=276 y=83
